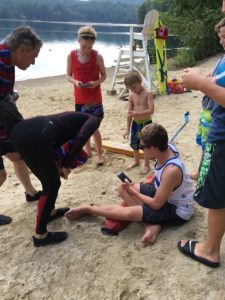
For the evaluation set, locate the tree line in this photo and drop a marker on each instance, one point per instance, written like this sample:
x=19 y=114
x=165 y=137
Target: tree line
x=193 y=21
x=70 y=10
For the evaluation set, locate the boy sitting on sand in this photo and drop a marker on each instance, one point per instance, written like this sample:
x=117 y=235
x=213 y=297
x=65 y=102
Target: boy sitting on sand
x=167 y=200
x=140 y=109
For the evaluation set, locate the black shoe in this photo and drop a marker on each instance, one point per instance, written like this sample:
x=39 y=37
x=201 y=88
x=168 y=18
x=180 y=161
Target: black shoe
x=4 y=220
x=50 y=239
x=35 y=197
x=60 y=212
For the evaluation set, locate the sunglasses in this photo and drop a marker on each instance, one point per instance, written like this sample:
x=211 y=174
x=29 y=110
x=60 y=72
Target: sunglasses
x=142 y=147
x=87 y=36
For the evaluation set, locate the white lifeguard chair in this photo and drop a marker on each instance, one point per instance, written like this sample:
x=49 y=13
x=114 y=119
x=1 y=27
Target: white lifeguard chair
x=133 y=58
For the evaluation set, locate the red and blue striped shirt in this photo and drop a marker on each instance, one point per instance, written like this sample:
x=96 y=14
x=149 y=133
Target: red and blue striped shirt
x=7 y=80
x=7 y=71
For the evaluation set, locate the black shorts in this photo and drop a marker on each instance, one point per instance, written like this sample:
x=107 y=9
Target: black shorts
x=210 y=190
x=1 y=164
x=166 y=215
x=5 y=148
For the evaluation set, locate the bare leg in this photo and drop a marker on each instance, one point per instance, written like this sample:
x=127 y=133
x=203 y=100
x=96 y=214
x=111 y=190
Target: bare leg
x=130 y=211
x=210 y=249
x=151 y=234
x=146 y=167
x=22 y=173
x=116 y=212
x=194 y=175
x=98 y=144
x=3 y=176
x=136 y=160
x=88 y=148
x=128 y=200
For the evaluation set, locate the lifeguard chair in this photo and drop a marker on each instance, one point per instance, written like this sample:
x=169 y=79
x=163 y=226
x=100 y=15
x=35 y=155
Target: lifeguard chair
x=134 y=58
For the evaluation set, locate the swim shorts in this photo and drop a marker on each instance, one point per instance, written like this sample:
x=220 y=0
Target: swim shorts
x=93 y=109
x=163 y=216
x=210 y=188
x=205 y=120
x=136 y=127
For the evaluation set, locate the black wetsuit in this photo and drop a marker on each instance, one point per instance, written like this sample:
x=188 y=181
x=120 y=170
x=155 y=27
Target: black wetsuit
x=36 y=140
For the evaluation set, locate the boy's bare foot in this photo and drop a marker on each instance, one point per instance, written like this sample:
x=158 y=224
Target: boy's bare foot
x=194 y=175
x=150 y=235
x=134 y=165
x=76 y=213
x=99 y=160
x=89 y=154
x=145 y=170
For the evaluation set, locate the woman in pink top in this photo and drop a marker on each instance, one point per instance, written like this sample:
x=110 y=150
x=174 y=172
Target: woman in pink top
x=86 y=71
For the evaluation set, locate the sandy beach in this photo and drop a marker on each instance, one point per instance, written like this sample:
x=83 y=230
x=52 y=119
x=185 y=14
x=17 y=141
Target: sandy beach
x=89 y=265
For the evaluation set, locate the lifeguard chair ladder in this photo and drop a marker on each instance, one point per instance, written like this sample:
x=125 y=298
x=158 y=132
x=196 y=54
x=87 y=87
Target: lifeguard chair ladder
x=133 y=58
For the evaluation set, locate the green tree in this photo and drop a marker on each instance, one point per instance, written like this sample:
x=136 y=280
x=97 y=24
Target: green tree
x=193 y=21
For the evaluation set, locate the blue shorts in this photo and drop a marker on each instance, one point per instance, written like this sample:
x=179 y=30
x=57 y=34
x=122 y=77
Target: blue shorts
x=203 y=127
x=92 y=109
x=136 y=127
x=166 y=215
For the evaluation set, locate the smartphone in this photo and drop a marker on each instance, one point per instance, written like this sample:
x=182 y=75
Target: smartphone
x=84 y=84
x=123 y=177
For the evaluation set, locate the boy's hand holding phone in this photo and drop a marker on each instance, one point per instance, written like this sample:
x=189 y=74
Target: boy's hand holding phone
x=123 y=177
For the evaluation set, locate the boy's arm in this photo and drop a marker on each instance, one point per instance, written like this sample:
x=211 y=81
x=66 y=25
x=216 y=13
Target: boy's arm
x=193 y=79
x=102 y=71
x=129 y=117
x=171 y=178
x=150 y=107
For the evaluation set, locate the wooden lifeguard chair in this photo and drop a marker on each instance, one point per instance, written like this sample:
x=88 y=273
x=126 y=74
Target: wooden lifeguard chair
x=134 y=58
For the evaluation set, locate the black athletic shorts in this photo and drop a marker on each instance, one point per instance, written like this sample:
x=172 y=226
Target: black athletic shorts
x=210 y=191
x=166 y=215
x=5 y=148
x=1 y=164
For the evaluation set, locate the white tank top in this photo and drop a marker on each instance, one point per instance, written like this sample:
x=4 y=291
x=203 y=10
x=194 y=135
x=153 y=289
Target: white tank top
x=182 y=196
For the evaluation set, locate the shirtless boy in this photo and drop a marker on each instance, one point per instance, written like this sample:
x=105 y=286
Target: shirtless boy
x=140 y=109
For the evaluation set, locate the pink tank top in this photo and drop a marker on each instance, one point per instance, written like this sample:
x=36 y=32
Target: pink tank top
x=86 y=72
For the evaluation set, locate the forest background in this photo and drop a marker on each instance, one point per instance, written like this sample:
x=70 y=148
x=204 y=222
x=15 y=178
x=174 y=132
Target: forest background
x=192 y=21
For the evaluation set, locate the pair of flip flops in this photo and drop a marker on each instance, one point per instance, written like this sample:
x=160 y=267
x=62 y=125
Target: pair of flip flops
x=60 y=212
x=188 y=249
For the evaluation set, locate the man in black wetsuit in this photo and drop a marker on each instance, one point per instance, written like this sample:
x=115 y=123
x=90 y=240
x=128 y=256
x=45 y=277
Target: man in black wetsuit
x=37 y=140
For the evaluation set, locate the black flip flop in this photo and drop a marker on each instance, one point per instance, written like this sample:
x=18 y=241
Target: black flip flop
x=4 y=220
x=189 y=248
x=60 y=212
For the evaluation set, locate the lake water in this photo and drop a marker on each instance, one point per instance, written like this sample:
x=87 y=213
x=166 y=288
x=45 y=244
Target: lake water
x=59 y=39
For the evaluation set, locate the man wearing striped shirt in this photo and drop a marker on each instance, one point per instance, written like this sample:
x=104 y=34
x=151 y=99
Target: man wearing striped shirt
x=19 y=48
